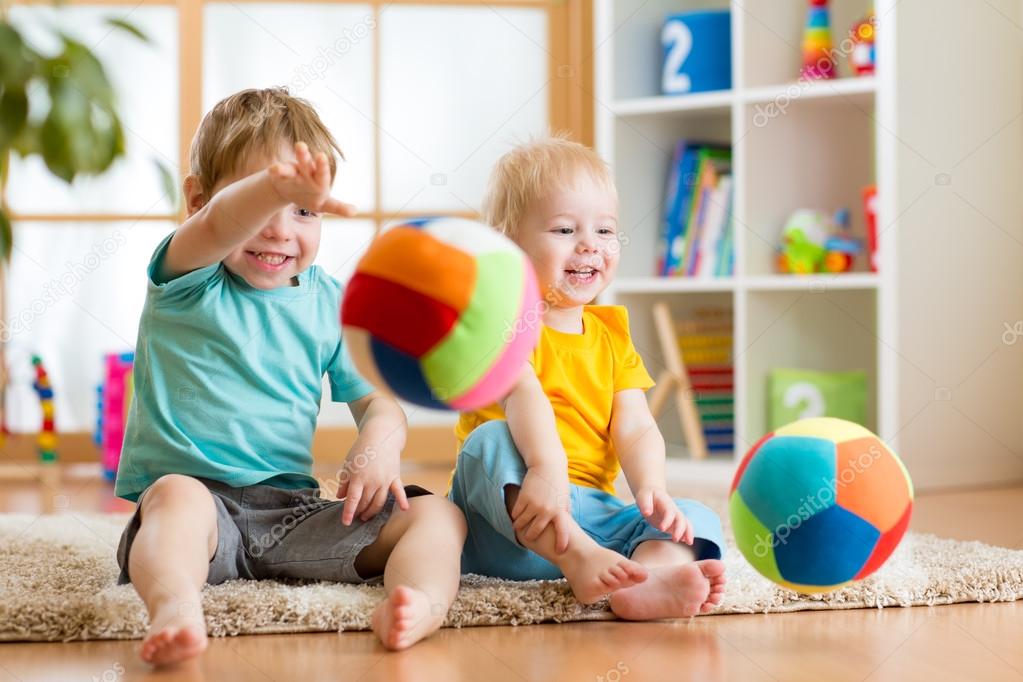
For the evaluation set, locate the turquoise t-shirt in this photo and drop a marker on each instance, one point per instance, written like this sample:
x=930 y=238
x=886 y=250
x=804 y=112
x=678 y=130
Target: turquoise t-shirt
x=228 y=378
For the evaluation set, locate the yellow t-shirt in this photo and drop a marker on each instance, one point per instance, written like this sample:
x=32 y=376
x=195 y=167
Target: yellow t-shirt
x=580 y=373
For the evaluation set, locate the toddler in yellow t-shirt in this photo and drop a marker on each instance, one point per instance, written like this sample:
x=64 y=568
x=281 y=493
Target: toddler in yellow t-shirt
x=535 y=474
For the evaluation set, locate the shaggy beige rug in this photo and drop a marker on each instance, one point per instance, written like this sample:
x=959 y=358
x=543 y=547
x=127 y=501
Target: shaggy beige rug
x=58 y=583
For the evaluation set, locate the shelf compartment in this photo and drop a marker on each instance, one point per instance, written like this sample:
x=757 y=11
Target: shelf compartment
x=829 y=157
x=772 y=44
x=831 y=330
x=644 y=148
x=644 y=337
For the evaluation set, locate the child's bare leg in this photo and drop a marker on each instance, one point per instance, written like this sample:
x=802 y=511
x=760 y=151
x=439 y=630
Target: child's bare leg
x=592 y=571
x=419 y=552
x=678 y=587
x=168 y=564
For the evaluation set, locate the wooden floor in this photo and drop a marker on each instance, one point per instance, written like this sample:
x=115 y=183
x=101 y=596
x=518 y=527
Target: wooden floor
x=961 y=642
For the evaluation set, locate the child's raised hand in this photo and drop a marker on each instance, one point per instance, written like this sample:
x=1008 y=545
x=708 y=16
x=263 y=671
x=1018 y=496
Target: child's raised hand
x=661 y=512
x=543 y=499
x=306 y=183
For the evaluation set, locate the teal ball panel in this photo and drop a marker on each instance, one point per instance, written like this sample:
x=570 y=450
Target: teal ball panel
x=789 y=479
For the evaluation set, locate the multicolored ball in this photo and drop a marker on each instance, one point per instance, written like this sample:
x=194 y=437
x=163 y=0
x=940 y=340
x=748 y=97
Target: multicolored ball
x=437 y=313
x=819 y=503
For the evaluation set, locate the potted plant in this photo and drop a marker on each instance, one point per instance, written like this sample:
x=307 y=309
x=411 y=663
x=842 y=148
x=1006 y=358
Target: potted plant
x=76 y=130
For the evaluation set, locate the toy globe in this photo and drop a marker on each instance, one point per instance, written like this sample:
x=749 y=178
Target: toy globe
x=442 y=312
x=819 y=503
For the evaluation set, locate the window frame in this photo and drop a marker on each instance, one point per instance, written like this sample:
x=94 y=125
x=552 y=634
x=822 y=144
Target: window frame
x=570 y=72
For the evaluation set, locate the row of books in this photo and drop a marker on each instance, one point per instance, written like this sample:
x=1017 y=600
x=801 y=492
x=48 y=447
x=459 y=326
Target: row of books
x=697 y=232
x=705 y=340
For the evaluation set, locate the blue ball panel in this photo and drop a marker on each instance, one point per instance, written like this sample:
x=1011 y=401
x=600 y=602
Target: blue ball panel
x=403 y=375
x=790 y=478
x=827 y=549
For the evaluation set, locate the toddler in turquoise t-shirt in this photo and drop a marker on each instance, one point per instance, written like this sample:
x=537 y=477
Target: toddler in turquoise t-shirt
x=238 y=330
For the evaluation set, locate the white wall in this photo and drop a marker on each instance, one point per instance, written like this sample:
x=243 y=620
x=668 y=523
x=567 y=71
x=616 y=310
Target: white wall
x=958 y=238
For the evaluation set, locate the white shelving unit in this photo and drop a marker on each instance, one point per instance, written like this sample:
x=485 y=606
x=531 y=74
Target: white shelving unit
x=819 y=150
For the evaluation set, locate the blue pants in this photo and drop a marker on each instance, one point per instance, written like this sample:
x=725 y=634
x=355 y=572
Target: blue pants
x=489 y=461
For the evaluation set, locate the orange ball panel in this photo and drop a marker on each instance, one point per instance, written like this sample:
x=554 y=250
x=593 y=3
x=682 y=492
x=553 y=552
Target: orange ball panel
x=871 y=483
x=420 y=262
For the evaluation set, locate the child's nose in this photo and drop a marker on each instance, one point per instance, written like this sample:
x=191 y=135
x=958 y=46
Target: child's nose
x=586 y=243
x=277 y=228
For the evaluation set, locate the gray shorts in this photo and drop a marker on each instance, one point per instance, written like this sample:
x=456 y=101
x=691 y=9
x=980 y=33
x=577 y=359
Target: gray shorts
x=264 y=532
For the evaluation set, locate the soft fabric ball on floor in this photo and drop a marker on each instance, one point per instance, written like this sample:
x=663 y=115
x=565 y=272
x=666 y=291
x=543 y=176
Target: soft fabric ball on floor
x=442 y=312
x=819 y=503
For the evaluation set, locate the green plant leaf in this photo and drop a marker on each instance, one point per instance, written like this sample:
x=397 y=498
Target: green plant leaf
x=6 y=237
x=13 y=115
x=134 y=30
x=84 y=72
x=16 y=58
x=57 y=140
x=27 y=142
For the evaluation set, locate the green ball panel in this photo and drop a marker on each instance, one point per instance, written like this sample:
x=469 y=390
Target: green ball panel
x=472 y=346
x=753 y=539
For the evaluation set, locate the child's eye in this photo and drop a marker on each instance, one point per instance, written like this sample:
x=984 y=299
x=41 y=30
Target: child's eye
x=562 y=230
x=606 y=230
x=305 y=213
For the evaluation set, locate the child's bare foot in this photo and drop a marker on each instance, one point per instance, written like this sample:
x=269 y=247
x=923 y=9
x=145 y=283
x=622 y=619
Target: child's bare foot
x=405 y=617
x=177 y=632
x=593 y=571
x=673 y=592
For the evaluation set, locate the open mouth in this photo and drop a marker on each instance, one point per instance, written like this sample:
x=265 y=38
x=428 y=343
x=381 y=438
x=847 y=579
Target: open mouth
x=269 y=261
x=581 y=275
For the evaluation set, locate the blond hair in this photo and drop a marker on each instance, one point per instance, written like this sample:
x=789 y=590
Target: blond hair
x=252 y=123
x=531 y=171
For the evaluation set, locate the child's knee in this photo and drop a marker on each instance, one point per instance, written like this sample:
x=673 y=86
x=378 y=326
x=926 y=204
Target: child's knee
x=490 y=446
x=487 y=436
x=436 y=511
x=185 y=498
x=178 y=492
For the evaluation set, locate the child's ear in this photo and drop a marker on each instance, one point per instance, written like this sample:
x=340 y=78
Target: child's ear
x=194 y=199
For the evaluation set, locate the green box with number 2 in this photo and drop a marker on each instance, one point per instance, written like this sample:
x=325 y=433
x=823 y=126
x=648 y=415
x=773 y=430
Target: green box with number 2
x=794 y=394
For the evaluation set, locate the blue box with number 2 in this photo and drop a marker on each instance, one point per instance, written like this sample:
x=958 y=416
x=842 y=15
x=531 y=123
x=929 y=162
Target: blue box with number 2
x=697 y=49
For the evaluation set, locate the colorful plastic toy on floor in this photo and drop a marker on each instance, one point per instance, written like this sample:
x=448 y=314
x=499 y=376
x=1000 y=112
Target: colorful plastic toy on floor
x=813 y=241
x=114 y=399
x=47 y=440
x=863 y=34
x=818 y=60
x=819 y=503
x=442 y=312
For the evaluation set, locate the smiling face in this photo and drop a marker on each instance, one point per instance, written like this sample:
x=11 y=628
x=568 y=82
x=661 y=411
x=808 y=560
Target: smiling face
x=571 y=237
x=285 y=246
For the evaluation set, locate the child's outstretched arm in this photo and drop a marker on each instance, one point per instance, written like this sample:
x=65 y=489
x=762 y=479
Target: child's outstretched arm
x=373 y=466
x=217 y=226
x=544 y=496
x=640 y=448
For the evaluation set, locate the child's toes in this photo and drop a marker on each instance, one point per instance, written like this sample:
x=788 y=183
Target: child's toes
x=634 y=571
x=618 y=573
